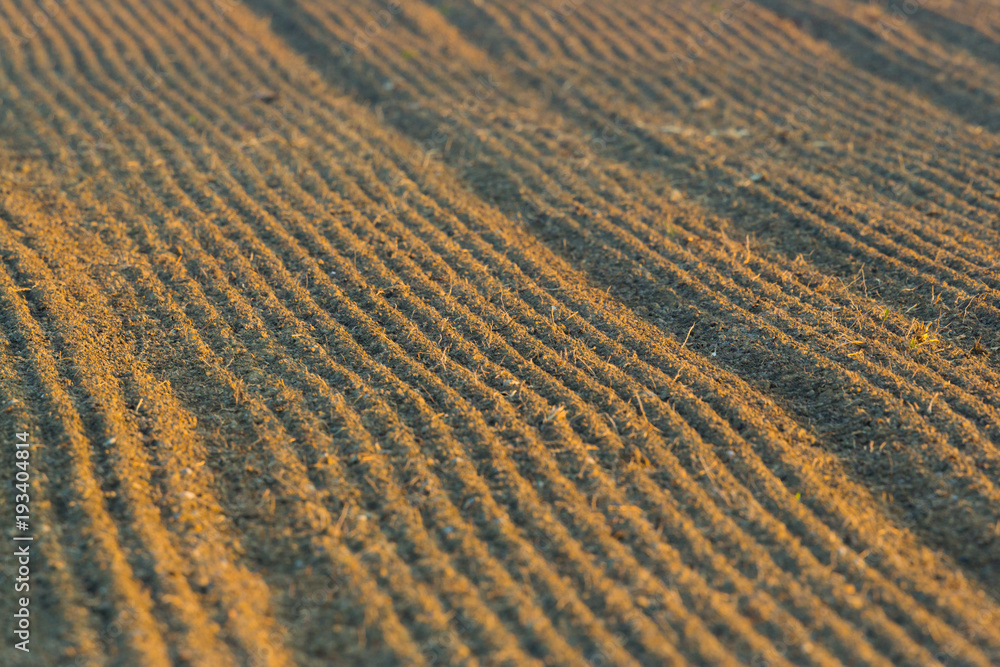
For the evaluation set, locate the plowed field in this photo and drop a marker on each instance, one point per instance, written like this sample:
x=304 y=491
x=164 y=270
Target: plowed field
x=518 y=332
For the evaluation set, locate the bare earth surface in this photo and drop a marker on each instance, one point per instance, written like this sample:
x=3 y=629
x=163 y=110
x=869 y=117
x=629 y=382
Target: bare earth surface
x=524 y=332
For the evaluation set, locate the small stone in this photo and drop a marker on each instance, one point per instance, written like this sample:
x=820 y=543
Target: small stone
x=266 y=96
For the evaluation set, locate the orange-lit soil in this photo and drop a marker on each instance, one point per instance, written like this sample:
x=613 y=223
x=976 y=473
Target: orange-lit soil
x=520 y=332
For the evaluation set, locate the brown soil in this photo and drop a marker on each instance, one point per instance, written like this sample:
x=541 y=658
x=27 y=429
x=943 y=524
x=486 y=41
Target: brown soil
x=488 y=332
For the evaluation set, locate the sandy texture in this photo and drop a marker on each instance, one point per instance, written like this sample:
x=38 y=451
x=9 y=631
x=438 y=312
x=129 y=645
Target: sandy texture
x=503 y=332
